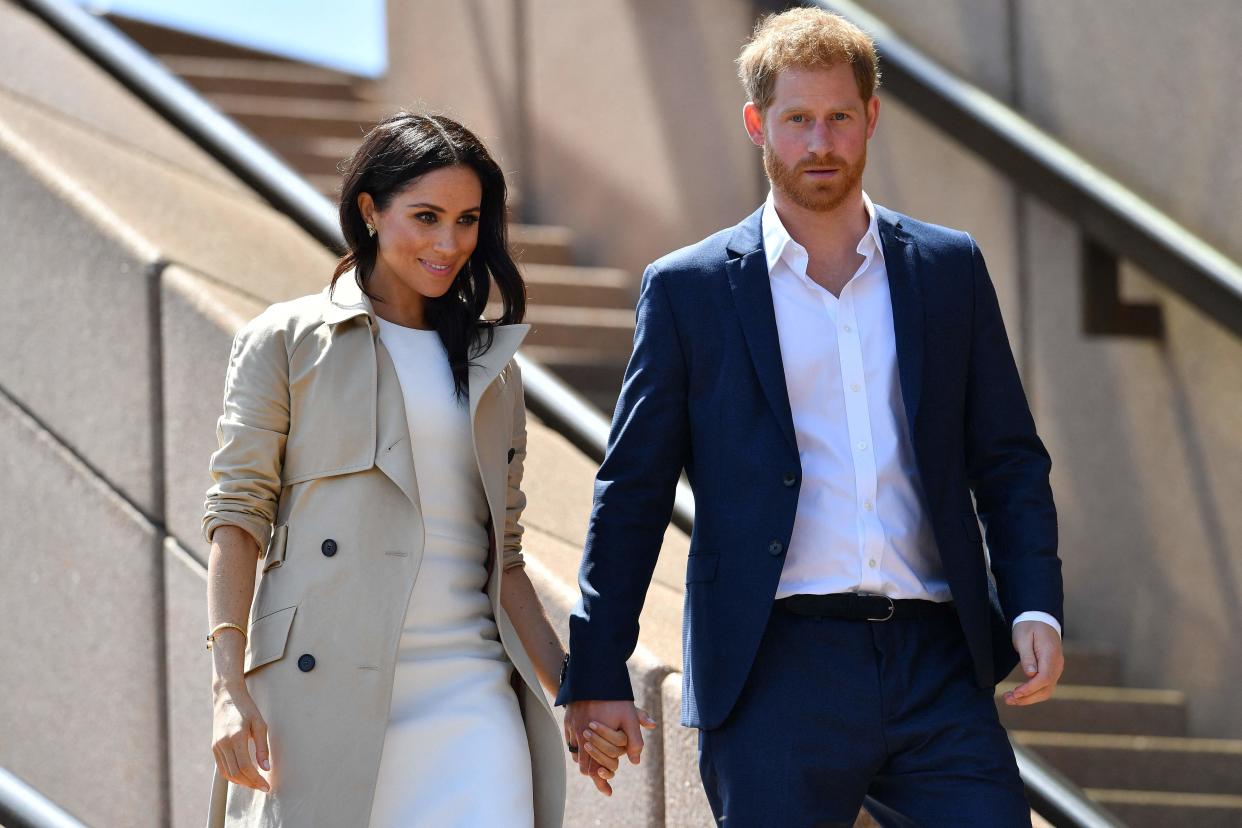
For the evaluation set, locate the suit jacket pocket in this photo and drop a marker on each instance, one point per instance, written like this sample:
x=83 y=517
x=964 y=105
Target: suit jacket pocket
x=701 y=567
x=267 y=639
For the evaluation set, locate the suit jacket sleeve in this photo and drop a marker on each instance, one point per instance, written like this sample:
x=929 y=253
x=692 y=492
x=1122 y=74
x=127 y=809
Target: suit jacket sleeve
x=634 y=493
x=1007 y=466
x=252 y=432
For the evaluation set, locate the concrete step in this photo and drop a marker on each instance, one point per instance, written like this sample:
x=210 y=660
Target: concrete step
x=253 y=76
x=605 y=332
x=161 y=41
x=274 y=117
x=1089 y=664
x=1141 y=763
x=1160 y=809
x=1085 y=709
x=547 y=244
x=588 y=287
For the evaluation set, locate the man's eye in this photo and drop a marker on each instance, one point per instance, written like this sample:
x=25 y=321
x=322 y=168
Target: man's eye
x=797 y=119
x=839 y=116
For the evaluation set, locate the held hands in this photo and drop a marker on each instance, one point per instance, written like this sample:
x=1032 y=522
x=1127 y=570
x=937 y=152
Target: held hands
x=236 y=721
x=602 y=731
x=1042 y=660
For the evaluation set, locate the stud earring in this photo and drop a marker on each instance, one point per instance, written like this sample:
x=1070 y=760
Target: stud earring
x=370 y=230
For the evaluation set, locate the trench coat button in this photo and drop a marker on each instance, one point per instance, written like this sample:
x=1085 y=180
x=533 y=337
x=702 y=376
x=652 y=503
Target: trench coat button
x=328 y=547
x=512 y=453
x=776 y=548
x=306 y=663
x=789 y=480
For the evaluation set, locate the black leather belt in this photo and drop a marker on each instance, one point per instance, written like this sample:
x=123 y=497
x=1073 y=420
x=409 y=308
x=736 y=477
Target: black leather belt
x=853 y=606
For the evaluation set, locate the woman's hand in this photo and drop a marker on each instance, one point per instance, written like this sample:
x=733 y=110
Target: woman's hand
x=237 y=721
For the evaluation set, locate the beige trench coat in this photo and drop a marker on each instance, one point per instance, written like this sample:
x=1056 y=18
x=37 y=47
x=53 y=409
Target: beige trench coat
x=314 y=442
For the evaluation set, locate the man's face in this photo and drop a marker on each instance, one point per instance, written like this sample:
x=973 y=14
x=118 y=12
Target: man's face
x=814 y=135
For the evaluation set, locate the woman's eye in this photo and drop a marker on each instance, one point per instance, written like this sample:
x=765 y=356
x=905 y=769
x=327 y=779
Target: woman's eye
x=469 y=220
x=427 y=217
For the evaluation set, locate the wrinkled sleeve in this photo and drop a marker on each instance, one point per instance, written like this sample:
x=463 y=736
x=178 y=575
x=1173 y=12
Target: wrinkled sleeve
x=251 y=433
x=515 y=498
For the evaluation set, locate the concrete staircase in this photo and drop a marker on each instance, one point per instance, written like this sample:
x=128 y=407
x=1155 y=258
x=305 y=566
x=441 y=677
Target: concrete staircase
x=313 y=117
x=1128 y=747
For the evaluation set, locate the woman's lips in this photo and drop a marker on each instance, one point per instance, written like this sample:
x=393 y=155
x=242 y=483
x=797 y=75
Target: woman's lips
x=437 y=269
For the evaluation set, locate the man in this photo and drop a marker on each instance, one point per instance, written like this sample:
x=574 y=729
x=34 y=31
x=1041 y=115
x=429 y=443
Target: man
x=836 y=381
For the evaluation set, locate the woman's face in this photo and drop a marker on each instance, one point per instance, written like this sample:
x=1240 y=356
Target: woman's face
x=428 y=231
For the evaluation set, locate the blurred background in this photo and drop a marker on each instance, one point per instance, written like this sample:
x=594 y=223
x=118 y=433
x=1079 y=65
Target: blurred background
x=163 y=174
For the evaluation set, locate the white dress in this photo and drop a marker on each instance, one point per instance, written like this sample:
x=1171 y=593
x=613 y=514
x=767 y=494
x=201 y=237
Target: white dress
x=455 y=753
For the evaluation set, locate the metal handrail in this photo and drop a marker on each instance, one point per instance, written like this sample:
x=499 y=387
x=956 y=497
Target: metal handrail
x=1101 y=206
x=548 y=398
x=21 y=806
x=1058 y=800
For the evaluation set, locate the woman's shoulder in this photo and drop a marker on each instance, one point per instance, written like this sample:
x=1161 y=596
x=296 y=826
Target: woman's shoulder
x=289 y=321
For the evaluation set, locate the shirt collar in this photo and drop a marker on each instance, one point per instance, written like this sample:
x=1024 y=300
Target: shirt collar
x=778 y=244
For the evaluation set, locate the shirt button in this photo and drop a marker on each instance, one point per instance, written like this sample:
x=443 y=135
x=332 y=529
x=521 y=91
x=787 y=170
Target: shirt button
x=306 y=663
x=328 y=547
x=789 y=480
x=855 y=387
x=776 y=548
x=868 y=506
x=848 y=329
x=871 y=564
x=862 y=446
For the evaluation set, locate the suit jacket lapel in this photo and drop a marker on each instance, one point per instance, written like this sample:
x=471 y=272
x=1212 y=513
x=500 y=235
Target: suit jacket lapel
x=901 y=260
x=752 y=295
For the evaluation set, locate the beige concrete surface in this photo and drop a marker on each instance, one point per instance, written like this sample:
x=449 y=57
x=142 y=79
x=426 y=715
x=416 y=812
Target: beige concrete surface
x=79 y=601
x=1146 y=453
x=190 y=759
x=621 y=121
x=1146 y=90
x=43 y=69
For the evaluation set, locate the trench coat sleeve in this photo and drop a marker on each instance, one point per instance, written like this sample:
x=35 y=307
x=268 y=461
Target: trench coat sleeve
x=515 y=498
x=252 y=432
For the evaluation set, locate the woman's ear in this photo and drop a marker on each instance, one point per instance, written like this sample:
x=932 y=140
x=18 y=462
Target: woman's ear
x=366 y=206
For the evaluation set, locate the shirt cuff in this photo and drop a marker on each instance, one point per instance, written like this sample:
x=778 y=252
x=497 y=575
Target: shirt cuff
x=1038 y=616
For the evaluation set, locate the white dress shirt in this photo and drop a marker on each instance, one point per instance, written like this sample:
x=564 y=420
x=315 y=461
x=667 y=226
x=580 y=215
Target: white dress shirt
x=861 y=525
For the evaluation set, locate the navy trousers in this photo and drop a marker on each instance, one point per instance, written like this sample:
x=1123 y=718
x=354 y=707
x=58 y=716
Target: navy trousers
x=839 y=712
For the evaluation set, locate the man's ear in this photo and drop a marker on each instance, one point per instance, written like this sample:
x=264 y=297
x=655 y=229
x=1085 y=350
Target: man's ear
x=873 y=115
x=752 y=118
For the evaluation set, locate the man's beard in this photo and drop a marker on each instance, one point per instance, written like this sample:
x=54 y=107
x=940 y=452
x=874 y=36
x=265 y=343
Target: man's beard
x=820 y=196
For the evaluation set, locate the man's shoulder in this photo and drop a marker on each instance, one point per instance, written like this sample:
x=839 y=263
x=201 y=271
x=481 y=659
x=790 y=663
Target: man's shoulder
x=707 y=255
x=926 y=236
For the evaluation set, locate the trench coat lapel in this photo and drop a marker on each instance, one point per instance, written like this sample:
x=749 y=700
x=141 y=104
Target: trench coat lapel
x=487 y=366
x=393 y=454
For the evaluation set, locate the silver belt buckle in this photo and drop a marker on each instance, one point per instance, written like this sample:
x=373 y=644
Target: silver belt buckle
x=892 y=608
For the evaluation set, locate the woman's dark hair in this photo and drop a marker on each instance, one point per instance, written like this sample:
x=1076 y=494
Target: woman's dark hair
x=398 y=150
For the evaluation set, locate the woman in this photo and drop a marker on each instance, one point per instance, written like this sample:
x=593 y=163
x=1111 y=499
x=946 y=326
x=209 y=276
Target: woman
x=371 y=449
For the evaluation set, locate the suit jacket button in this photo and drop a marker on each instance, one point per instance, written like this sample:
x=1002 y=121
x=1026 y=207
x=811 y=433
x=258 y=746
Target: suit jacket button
x=328 y=548
x=306 y=663
x=789 y=480
x=776 y=548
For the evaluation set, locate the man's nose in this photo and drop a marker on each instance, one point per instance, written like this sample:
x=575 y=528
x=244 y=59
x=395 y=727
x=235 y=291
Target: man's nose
x=821 y=141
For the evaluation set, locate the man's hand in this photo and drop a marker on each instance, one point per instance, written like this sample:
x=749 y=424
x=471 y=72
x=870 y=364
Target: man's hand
x=1042 y=660
x=616 y=716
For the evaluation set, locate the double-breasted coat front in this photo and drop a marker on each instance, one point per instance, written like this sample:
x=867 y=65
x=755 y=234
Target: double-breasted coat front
x=315 y=463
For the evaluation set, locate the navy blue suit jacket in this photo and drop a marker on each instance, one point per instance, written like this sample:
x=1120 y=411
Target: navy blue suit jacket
x=705 y=391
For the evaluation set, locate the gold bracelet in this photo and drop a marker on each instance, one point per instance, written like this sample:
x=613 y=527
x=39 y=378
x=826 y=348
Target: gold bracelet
x=211 y=636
